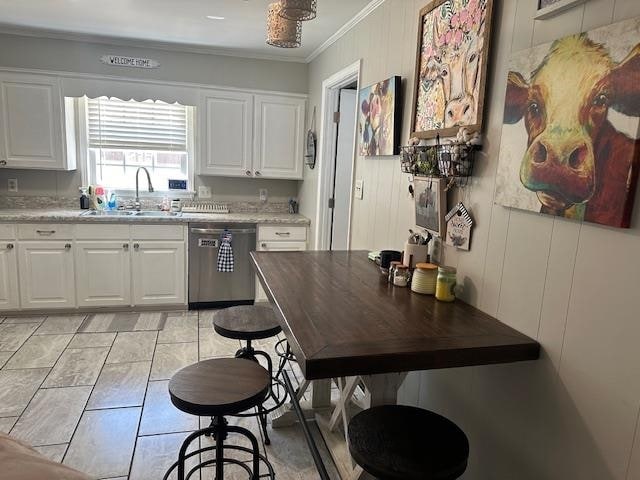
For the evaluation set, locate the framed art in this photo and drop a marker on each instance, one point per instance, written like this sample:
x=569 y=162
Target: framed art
x=551 y=8
x=571 y=129
x=379 y=118
x=431 y=204
x=451 y=67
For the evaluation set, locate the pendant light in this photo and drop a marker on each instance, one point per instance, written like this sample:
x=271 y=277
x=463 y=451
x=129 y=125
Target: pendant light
x=300 y=10
x=282 y=32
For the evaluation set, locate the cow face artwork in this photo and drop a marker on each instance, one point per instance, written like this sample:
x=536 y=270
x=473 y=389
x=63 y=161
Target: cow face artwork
x=571 y=135
x=451 y=66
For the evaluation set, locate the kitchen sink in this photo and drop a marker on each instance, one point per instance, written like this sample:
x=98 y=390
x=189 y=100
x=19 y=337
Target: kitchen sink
x=107 y=213
x=157 y=214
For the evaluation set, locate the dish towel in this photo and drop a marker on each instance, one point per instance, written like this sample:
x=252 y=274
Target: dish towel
x=225 y=253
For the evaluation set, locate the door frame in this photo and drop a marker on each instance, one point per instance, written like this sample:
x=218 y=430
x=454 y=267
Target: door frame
x=326 y=166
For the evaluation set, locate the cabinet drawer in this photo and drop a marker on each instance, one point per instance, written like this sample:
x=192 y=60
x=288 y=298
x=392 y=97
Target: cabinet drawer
x=102 y=232
x=7 y=231
x=157 y=232
x=282 y=232
x=45 y=231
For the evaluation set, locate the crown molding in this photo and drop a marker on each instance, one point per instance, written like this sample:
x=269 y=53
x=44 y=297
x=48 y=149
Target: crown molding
x=137 y=43
x=342 y=31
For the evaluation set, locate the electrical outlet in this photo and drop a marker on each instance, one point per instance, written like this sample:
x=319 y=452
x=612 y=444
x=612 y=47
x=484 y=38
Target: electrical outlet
x=359 y=188
x=12 y=184
x=263 y=195
x=204 y=191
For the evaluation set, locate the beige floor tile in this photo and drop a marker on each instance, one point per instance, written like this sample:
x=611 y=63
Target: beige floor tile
x=99 y=322
x=55 y=453
x=171 y=357
x=132 y=347
x=12 y=336
x=213 y=345
x=160 y=416
x=104 y=441
x=156 y=453
x=17 y=387
x=91 y=340
x=7 y=423
x=150 y=321
x=39 y=351
x=52 y=416
x=120 y=385
x=4 y=358
x=77 y=367
x=60 y=324
x=24 y=319
x=178 y=329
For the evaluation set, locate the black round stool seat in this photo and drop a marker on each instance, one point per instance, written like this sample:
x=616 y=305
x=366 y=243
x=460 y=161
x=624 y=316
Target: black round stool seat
x=246 y=322
x=395 y=442
x=219 y=387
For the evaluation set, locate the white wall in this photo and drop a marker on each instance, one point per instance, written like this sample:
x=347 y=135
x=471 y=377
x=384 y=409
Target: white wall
x=175 y=66
x=574 y=413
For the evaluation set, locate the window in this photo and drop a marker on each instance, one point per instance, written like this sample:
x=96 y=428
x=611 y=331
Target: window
x=123 y=135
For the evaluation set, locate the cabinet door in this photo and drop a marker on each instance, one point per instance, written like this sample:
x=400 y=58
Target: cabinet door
x=103 y=273
x=159 y=273
x=279 y=137
x=32 y=122
x=46 y=274
x=226 y=133
x=275 y=247
x=8 y=276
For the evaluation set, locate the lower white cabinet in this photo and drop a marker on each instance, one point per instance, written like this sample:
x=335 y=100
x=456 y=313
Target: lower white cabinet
x=9 y=299
x=47 y=277
x=103 y=273
x=158 y=272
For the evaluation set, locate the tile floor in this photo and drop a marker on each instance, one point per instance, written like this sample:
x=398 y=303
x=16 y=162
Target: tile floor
x=90 y=391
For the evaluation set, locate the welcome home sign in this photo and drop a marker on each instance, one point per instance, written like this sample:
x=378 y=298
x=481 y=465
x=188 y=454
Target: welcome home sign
x=133 y=62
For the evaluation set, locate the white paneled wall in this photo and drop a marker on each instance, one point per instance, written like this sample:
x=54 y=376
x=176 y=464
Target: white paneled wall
x=574 y=413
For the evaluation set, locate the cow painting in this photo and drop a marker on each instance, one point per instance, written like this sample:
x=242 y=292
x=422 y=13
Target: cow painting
x=451 y=65
x=572 y=128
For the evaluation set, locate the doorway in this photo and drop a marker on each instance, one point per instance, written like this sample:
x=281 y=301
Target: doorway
x=336 y=160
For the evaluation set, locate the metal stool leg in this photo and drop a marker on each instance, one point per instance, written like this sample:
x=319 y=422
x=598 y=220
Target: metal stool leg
x=254 y=446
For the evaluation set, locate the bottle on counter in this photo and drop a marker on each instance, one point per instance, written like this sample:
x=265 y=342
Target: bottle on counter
x=445 y=284
x=84 y=199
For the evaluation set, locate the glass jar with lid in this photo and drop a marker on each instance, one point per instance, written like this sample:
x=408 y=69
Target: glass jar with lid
x=401 y=276
x=445 y=284
x=392 y=270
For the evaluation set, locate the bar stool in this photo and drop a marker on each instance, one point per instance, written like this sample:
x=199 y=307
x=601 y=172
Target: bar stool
x=395 y=442
x=218 y=388
x=248 y=323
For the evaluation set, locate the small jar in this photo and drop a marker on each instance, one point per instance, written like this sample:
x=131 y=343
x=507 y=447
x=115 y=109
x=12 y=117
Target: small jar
x=392 y=270
x=446 y=284
x=401 y=276
x=424 y=278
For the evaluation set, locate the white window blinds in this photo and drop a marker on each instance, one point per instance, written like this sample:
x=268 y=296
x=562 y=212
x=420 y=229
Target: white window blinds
x=132 y=125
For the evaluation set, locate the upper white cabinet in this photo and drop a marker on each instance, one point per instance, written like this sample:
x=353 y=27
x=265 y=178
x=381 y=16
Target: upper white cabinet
x=226 y=133
x=33 y=124
x=278 y=132
x=251 y=135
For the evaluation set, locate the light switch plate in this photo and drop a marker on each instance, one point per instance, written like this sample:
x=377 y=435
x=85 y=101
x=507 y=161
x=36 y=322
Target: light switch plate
x=12 y=184
x=204 y=191
x=359 y=188
x=264 y=195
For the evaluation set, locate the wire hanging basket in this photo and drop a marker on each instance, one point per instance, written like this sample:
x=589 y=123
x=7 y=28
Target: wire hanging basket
x=453 y=161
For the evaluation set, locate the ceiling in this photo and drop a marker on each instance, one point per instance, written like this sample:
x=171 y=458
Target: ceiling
x=176 y=22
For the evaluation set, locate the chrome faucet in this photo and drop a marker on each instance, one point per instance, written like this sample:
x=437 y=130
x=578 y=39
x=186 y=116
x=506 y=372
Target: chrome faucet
x=137 y=200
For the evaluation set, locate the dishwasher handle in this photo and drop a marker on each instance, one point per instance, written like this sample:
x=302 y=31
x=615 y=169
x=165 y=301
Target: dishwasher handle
x=218 y=231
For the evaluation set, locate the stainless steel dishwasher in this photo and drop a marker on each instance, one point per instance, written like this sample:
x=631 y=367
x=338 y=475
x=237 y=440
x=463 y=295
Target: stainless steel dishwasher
x=207 y=286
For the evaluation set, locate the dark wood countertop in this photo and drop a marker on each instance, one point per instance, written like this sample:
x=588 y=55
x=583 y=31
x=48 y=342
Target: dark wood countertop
x=342 y=318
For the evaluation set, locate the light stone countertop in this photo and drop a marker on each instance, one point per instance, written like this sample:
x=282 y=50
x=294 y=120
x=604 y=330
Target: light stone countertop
x=74 y=216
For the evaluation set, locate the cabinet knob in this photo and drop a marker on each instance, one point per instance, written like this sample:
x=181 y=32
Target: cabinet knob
x=67 y=246
x=136 y=246
x=3 y=163
x=248 y=172
x=9 y=246
x=125 y=246
x=263 y=245
x=258 y=174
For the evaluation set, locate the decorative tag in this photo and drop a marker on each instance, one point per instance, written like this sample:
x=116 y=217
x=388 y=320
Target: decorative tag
x=459 y=226
x=133 y=62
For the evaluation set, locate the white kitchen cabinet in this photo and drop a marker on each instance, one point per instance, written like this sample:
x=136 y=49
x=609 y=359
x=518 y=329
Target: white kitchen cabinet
x=278 y=137
x=9 y=299
x=103 y=273
x=226 y=133
x=33 y=124
x=159 y=272
x=46 y=274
